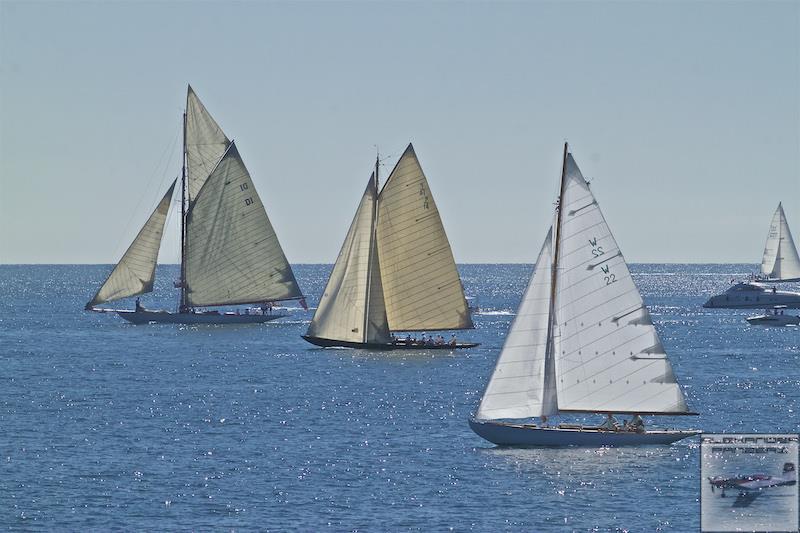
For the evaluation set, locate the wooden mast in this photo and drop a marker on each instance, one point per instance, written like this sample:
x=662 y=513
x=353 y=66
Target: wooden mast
x=372 y=245
x=183 y=307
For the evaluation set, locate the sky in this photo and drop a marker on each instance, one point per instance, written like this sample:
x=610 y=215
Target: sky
x=684 y=115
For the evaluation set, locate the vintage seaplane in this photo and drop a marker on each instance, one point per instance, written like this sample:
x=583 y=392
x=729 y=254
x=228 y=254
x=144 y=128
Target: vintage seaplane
x=751 y=487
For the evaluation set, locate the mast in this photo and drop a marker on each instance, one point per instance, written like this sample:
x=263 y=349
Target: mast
x=371 y=247
x=182 y=306
x=549 y=358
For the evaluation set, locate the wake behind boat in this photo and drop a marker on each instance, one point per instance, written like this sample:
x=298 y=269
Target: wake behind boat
x=582 y=341
x=395 y=271
x=230 y=254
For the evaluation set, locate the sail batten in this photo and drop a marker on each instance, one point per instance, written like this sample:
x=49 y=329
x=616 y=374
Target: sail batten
x=781 y=261
x=421 y=285
x=232 y=252
x=135 y=272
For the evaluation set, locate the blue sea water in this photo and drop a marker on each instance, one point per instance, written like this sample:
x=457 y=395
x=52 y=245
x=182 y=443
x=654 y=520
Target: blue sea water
x=107 y=425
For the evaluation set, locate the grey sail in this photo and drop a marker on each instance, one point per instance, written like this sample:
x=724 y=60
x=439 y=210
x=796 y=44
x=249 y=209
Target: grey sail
x=232 y=254
x=421 y=284
x=205 y=144
x=135 y=272
x=351 y=308
x=607 y=352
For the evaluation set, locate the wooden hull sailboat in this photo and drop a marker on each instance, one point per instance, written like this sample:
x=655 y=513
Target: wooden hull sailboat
x=582 y=341
x=230 y=254
x=395 y=271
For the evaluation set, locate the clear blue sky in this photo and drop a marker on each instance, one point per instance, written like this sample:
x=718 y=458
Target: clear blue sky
x=685 y=114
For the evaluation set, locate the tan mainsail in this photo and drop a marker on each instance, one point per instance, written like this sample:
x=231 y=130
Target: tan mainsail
x=351 y=308
x=135 y=272
x=205 y=144
x=232 y=253
x=421 y=284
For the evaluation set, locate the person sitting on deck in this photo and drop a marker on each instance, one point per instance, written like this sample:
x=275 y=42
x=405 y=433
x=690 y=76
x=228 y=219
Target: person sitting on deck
x=636 y=424
x=139 y=305
x=453 y=340
x=544 y=420
x=439 y=340
x=610 y=423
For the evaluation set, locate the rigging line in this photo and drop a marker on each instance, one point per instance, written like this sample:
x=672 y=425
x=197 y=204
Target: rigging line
x=156 y=170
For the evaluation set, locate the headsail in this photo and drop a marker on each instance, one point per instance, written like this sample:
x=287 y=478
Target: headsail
x=781 y=261
x=608 y=354
x=344 y=312
x=135 y=272
x=523 y=382
x=421 y=284
x=232 y=253
x=205 y=143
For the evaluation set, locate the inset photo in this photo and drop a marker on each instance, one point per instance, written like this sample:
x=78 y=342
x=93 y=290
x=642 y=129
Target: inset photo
x=749 y=482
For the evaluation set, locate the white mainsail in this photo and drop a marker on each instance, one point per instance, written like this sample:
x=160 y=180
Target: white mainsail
x=523 y=382
x=232 y=253
x=135 y=272
x=607 y=352
x=781 y=261
x=205 y=143
x=421 y=284
x=351 y=308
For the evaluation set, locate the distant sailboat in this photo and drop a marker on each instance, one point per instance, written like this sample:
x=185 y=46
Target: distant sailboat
x=230 y=254
x=781 y=261
x=395 y=271
x=582 y=342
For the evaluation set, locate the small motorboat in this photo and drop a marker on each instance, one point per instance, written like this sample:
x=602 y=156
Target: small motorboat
x=776 y=318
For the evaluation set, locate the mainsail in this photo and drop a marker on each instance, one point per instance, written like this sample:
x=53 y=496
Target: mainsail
x=205 y=143
x=421 y=284
x=781 y=261
x=135 y=272
x=523 y=383
x=586 y=344
x=232 y=253
x=351 y=308
x=607 y=352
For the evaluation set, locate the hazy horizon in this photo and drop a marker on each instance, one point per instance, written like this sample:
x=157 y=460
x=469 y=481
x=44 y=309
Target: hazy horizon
x=685 y=116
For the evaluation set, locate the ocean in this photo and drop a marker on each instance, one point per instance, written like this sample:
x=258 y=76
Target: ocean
x=105 y=425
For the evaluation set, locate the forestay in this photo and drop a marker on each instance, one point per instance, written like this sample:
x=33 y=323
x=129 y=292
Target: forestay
x=205 y=143
x=135 y=272
x=523 y=383
x=344 y=312
x=608 y=354
x=421 y=284
x=232 y=253
x=781 y=260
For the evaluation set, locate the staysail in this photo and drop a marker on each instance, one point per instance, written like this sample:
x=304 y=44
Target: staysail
x=523 y=382
x=351 y=308
x=232 y=253
x=781 y=261
x=135 y=272
x=607 y=352
x=421 y=284
x=205 y=143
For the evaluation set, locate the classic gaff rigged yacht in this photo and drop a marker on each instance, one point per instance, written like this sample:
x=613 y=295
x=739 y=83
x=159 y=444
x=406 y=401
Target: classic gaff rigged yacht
x=582 y=342
x=230 y=254
x=395 y=271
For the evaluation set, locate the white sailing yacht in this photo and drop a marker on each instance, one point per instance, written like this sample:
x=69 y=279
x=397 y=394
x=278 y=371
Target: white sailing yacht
x=582 y=342
x=230 y=254
x=781 y=261
x=395 y=271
